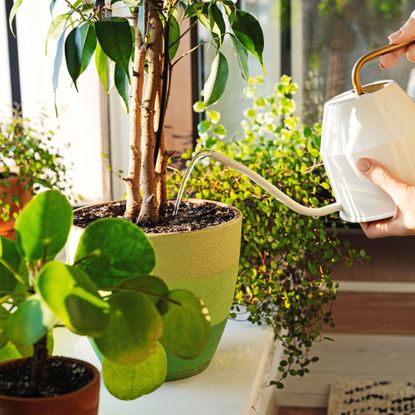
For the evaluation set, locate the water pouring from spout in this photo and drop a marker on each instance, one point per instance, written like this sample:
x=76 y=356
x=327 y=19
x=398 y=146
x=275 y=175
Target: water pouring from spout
x=256 y=178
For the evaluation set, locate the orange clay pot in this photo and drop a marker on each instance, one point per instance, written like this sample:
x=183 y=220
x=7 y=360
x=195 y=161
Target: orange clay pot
x=84 y=401
x=12 y=188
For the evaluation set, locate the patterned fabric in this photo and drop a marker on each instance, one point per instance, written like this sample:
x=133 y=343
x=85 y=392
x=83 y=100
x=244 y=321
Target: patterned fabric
x=359 y=397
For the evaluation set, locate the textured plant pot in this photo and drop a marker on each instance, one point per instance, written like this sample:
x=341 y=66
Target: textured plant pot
x=81 y=402
x=13 y=188
x=205 y=262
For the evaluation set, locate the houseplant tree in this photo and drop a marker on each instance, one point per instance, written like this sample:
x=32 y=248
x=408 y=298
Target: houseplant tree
x=28 y=161
x=141 y=49
x=107 y=294
x=286 y=262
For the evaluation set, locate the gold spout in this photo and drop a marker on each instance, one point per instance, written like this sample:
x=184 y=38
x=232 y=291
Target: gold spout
x=371 y=55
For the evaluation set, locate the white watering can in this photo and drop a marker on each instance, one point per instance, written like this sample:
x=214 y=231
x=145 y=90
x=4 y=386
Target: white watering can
x=375 y=121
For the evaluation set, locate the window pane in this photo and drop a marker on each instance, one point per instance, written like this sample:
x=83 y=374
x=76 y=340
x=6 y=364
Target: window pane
x=329 y=36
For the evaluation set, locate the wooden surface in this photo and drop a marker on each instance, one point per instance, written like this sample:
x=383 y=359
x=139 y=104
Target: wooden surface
x=374 y=313
x=302 y=411
x=392 y=259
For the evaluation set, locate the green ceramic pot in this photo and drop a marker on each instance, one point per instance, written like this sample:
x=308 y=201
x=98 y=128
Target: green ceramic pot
x=205 y=262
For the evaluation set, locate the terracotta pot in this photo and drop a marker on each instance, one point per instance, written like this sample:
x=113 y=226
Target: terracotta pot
x=11 y=188
x=205 y=262
x=81 y=402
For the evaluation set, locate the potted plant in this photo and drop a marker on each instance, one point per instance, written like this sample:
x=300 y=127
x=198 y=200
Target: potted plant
x=106 y=294
x=28 y=162
x=287 y=260
x=198 y=249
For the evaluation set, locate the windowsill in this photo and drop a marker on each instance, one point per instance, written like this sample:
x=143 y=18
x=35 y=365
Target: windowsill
x=233 y=384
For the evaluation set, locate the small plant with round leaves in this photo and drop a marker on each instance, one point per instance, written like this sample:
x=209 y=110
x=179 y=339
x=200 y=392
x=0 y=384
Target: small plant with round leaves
x=28 y=153
x=108 y=294
x=286 y=259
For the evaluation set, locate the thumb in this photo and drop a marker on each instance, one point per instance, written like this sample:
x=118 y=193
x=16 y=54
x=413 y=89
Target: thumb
x=382 y=178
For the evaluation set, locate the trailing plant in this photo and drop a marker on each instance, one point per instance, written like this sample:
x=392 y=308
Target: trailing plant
x=141 y=48
x=108 y=294
x=28 y=152
x=286 y=259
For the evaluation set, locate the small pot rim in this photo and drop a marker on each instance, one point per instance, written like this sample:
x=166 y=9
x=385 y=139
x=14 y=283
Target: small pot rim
x=231 y=222
x=90 y=385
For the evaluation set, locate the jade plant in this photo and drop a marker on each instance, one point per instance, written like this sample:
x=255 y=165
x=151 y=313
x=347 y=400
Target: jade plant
x=138 y=54
x=108 y=294
x=286 y=259
x=27 y=150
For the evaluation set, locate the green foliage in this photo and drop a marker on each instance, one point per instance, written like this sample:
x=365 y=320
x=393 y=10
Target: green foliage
x=27 y=151
x=93 y=30
x=126 y=321
x=286 y=259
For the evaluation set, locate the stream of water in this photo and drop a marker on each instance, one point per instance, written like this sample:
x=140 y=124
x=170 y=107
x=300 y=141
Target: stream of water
x=256 y=178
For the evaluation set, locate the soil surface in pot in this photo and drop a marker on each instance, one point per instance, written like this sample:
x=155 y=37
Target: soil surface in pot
x=190 y=217
x=61 y=377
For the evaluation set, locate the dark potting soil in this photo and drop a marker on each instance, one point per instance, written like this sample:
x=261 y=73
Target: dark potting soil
x=61 y=377
x=190 y=217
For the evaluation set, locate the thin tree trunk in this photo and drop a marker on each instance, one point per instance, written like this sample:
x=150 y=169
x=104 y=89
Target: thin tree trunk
x=40 y=354
x=132 y=181
x=161 y=171
x=149 y=208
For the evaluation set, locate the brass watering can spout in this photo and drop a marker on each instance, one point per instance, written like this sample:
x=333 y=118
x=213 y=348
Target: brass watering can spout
x=357 y=86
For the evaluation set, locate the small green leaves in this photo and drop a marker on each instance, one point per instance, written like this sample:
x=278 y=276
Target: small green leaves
x=186 y=326
x=114 y=36
x=134 y=328
x=73 y=298
x=111 y=250
x=43 y=225
x=216 y=83
x=27 y=325
x=132 y=381
x=248 y=31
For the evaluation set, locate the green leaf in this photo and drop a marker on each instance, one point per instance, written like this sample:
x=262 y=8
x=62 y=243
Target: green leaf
x=129 y=382
x=27 y=350
x=43 y=226
x=111 y=250
x=13 y=12
x=174 y=37
x=216 y=23
x=216 y=83
x=56 y=28
x=241 y=54
x=186 y=326
x=134 y=328
x=10 y=254
x=101 y=63
x=88 y=47
x=4 y=317
x=248 y=31
x=73 y=53
x=9 y=352
x=29 y=323
x=155 y=288
x=114 y=36
x=58 y=62
x=121 y=83
x=73 y=298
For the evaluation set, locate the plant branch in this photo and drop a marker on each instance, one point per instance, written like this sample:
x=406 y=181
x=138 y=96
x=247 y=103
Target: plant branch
x=188 y=53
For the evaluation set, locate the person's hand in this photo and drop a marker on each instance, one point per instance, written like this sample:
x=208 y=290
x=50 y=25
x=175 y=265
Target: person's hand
x=403 y=222
x=404 y=34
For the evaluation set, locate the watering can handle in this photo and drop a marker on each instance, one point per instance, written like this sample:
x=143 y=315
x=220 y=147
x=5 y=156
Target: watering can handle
x=371 y=55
